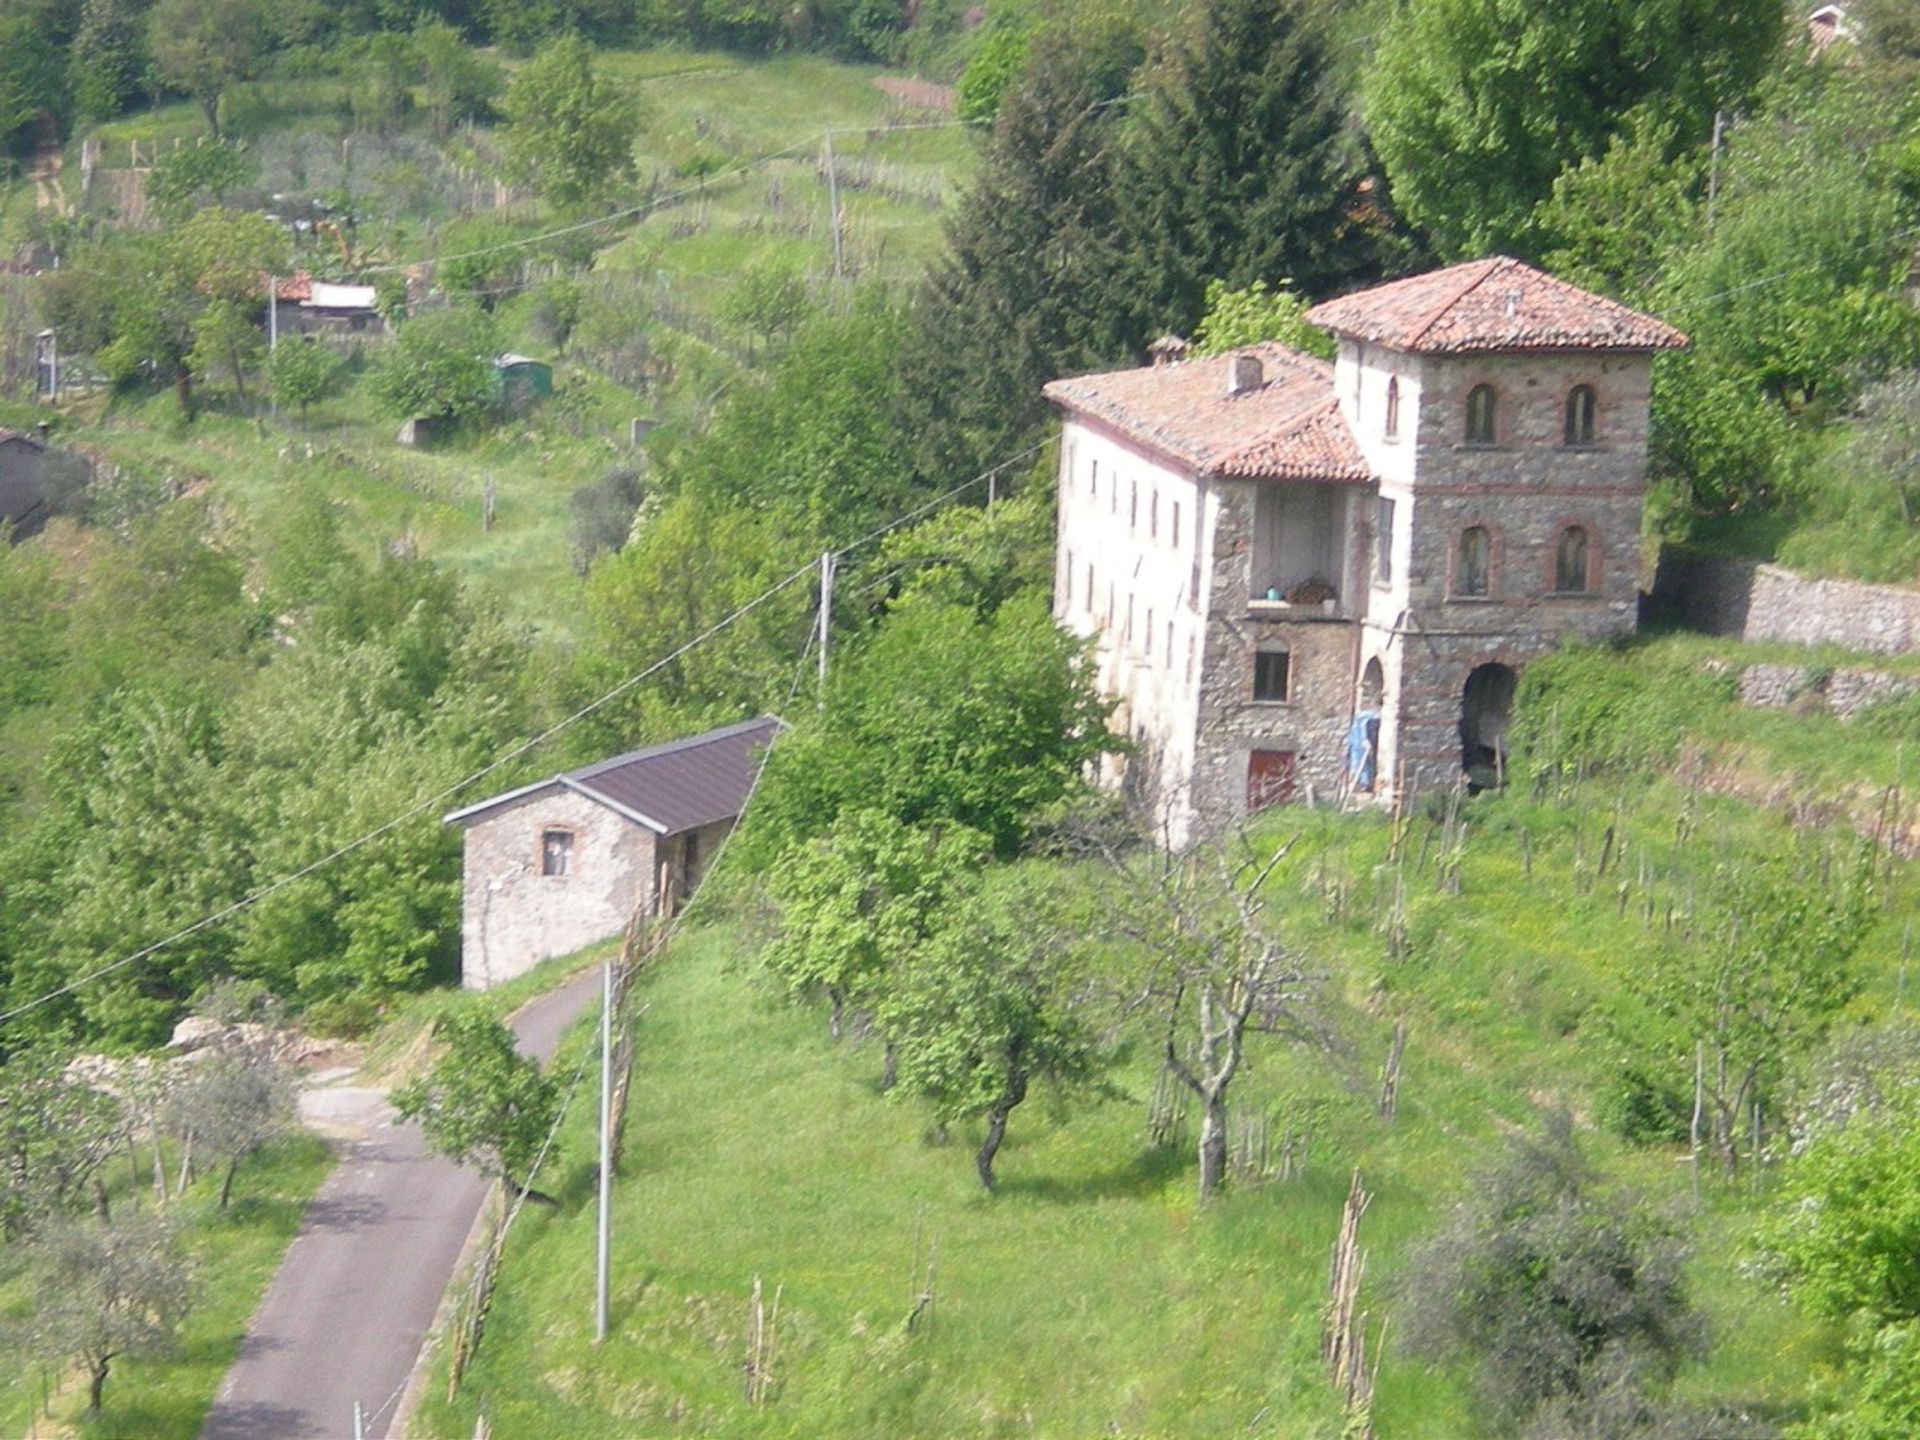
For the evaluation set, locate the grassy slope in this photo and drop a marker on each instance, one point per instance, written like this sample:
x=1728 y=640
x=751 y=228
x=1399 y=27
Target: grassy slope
x=1089 y=1294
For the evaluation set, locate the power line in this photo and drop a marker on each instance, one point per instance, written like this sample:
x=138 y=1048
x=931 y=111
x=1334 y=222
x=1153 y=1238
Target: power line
x=654 y=203
x=440 y=797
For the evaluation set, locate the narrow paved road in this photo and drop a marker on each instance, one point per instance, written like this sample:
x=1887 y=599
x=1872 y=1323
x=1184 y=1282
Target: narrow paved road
x=347 y=1313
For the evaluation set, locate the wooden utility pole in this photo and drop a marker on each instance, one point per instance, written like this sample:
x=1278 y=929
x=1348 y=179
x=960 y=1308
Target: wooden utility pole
x=606 y=1151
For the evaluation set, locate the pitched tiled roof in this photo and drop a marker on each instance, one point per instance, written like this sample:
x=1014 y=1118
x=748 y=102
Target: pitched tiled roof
x=668 y=788
x=1493 y=304
x=1286 y=428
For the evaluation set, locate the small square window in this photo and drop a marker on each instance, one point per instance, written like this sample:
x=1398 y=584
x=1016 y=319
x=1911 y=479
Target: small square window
x=556 y=852
x=1272 y=674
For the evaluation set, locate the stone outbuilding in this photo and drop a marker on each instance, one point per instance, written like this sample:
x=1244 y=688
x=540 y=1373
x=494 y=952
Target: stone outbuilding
x=566 y=862
x=1329 y=576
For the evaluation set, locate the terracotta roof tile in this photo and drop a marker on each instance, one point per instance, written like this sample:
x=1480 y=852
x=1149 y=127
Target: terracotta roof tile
x=1288 y=427
x=1493 y=304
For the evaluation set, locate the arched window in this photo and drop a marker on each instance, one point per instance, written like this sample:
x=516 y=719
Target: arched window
x=1480 y=407
x=1393 y=408
x=1472 y=564
x=1580 y=415
x=1570 y=562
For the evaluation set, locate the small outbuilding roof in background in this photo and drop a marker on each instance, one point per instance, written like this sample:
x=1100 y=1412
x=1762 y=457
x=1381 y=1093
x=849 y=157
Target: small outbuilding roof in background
x=1488 y=305
x=669 y=788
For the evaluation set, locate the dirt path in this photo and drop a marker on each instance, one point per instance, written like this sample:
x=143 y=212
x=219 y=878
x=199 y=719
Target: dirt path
x=348 y=1313
x=44 y=171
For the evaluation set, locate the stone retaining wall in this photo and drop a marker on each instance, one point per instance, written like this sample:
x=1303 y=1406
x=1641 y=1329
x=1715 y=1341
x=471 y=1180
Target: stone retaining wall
x=1814 y=689
x=1751 y=600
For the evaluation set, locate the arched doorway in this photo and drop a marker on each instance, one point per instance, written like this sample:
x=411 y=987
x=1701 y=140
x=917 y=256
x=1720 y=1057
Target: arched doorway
x=1486 y=710
x=1373 y=685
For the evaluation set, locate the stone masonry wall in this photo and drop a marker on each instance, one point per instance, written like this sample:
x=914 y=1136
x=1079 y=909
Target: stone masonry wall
x=1312 y=722
x=1750 y=600
x=1844 y=693
x=513 y=917
x=1526 y=489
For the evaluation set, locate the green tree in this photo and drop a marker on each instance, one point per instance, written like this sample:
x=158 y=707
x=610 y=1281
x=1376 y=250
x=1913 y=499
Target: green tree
x=1613 y=221
x=192 y=176
x=768 y=298
x=456 y=82
x=104 y=1291
x=55 y=1134
x=569 y=132
x=1476 y=106
x=483 y=1103
x=1032 y=286
x=1235 y=165
x=994 y=66
x=301 y=372
x=440 y=366
x=33 y=82
x=859 y=900
x=989 y=1005
x=233 y=1106
x=1246 y=317
x=108 y=59
x=943 y=717
x=205 y=47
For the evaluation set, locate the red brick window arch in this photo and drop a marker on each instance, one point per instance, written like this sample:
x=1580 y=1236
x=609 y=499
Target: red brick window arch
x=1482 y=415
x=1573 y=561
x=1581 y=404
x=1473 y=563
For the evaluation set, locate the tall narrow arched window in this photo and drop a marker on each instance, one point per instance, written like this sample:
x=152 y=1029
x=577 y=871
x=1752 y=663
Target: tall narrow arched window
x=1480 y=415
x=1472 y=565
x=1392 y=429
x=1580 y=415
x=1570 y=560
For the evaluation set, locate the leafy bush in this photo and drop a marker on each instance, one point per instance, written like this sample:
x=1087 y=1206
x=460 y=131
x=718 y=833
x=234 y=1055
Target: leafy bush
x=1569 y=1299
x=1581 y=707
x=603 y=516
x=439 y=367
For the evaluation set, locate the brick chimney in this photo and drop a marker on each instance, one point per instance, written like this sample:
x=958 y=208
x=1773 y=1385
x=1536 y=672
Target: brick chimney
x=1244 y=373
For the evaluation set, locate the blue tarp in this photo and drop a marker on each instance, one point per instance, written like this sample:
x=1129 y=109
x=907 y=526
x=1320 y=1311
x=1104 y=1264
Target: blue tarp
x=1363 y=748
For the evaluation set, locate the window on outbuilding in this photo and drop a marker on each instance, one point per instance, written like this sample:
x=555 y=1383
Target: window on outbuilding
x=556 y=851
x=1580 y=405
x=1480 y=415
x=1272 y=675
x=1570 y=561
x=1392 y=427
x=1472 y=565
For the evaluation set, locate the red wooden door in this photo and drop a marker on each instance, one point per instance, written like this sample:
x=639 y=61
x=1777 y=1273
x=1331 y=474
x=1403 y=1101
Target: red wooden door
x=1269 y=778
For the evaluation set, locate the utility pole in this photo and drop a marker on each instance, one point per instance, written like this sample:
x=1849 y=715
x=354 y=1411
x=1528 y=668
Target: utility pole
x=606 y=1150
x=1713 y=168
x=273 y=313
x=828 y=566
x=833 y=205
x=359 y=1422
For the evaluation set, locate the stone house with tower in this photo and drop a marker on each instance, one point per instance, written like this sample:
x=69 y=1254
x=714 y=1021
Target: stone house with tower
x=1328 y=577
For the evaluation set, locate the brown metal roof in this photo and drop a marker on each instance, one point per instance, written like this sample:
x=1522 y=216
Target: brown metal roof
x=1493 y=304
x=1287 y=427
x=669 y=788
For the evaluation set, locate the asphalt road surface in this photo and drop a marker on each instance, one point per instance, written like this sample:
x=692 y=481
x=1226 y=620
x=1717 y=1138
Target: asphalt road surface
x=349 y=1310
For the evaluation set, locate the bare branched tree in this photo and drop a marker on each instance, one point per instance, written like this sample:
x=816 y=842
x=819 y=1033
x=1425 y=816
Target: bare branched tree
x=1214 y=966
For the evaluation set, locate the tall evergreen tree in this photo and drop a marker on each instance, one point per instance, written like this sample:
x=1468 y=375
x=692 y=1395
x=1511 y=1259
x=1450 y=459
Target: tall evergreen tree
x=1032 y=286
x=1235 y=166
x=108 y=57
